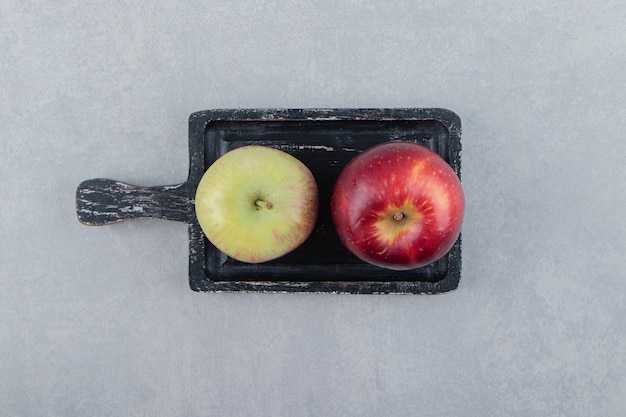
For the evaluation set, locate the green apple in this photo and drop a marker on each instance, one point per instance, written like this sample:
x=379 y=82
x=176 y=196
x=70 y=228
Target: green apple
x=257 y=203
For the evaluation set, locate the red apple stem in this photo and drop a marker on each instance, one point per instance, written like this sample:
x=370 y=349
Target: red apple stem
x=264 y=204
x=398 y=215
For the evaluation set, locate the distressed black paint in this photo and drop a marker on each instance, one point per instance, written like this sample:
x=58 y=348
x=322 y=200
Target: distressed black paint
x=101 y=201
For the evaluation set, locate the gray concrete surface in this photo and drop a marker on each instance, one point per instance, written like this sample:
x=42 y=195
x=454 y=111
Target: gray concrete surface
x=100 y=321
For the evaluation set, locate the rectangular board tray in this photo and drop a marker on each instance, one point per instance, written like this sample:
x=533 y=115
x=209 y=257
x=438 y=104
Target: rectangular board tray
x=325 y=140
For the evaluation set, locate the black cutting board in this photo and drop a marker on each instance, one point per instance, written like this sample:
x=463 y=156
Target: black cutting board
x=323 y=139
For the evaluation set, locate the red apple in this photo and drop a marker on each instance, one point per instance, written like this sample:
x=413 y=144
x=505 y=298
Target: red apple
x=398 y=205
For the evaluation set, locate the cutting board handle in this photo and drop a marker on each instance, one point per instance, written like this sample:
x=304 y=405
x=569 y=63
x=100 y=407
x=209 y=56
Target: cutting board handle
x=101 y=201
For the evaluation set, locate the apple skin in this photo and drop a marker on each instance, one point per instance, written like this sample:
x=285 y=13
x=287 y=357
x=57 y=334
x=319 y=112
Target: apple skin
x=257 y=203
x=410 y=182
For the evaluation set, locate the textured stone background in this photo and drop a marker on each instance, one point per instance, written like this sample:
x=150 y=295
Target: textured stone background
x=100 y=321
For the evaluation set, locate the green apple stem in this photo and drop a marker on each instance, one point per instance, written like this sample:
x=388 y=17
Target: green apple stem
x=264 y=204
x=398 y=215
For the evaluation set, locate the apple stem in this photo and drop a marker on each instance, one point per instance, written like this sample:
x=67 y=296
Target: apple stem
x=264 y=204
x=398 y=215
